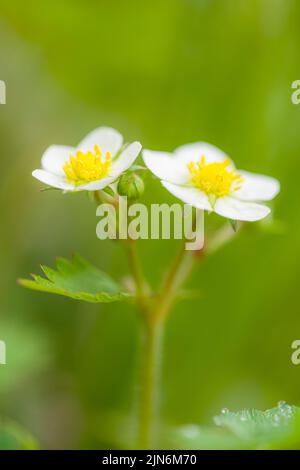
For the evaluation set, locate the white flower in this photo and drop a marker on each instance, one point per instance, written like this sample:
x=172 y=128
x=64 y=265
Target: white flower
x=95 y=163
x=203 y=176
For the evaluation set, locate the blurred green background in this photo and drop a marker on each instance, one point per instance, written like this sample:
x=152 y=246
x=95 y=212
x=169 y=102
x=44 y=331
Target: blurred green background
x=165 y=72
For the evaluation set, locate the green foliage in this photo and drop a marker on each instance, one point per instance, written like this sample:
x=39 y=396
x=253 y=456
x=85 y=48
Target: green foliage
x=14 y=437
x=199 y=437
x=77 y=279
x=275 y=428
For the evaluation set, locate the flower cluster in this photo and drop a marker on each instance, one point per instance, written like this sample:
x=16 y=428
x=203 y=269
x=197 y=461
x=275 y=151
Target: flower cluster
x=199 y=174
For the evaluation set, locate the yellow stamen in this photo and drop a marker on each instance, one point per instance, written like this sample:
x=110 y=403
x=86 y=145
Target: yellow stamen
x=86 y=167
x=214 y=178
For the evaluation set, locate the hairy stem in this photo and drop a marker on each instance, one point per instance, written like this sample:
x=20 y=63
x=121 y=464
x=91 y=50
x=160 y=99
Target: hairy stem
x=178 y=274
x=150 y=373
x=152 y=347
x=138 y=276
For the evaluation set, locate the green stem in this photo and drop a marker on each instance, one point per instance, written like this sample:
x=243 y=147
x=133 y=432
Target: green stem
x=177 y=275
x=150 y=367
x=179 y=272
x=153 y=321
x=152 y=347
x=137 y=272
x=135 y=268
x=150 y=352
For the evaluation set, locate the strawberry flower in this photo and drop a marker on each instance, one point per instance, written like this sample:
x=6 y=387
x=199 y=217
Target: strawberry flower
x=95 y=163
x=203 y=176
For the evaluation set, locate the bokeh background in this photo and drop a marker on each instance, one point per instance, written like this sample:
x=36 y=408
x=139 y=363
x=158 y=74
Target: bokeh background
x=166 y=73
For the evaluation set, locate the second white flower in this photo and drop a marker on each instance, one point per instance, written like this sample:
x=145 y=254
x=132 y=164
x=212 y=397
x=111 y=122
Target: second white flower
x=203 y=176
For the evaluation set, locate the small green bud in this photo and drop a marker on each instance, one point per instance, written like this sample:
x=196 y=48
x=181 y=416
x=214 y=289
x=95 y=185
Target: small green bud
x=131 y=185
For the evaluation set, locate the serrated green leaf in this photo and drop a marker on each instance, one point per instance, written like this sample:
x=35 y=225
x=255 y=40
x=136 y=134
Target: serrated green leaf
x=277 y=428
x=273 y=428
x=77 y=279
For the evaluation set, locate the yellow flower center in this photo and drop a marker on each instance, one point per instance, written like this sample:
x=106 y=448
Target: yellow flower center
x=215 y=179
x=86 y=167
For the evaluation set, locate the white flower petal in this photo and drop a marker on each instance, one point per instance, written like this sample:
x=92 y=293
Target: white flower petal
x=125 y=159
x=257 y=187
x=232 y=208
x=108 y=139
x=55 y=157
x=189 y=195
x=193 y=152
x=53 y=180
x=96 y=185
x=166 y=166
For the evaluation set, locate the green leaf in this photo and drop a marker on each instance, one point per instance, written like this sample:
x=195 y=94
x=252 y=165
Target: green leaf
x=192 y=436
x=275 y=428
x=14 y=437
x=77 y=279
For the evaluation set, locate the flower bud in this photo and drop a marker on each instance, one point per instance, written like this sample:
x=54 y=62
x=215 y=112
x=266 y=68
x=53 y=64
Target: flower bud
x=131 y=185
